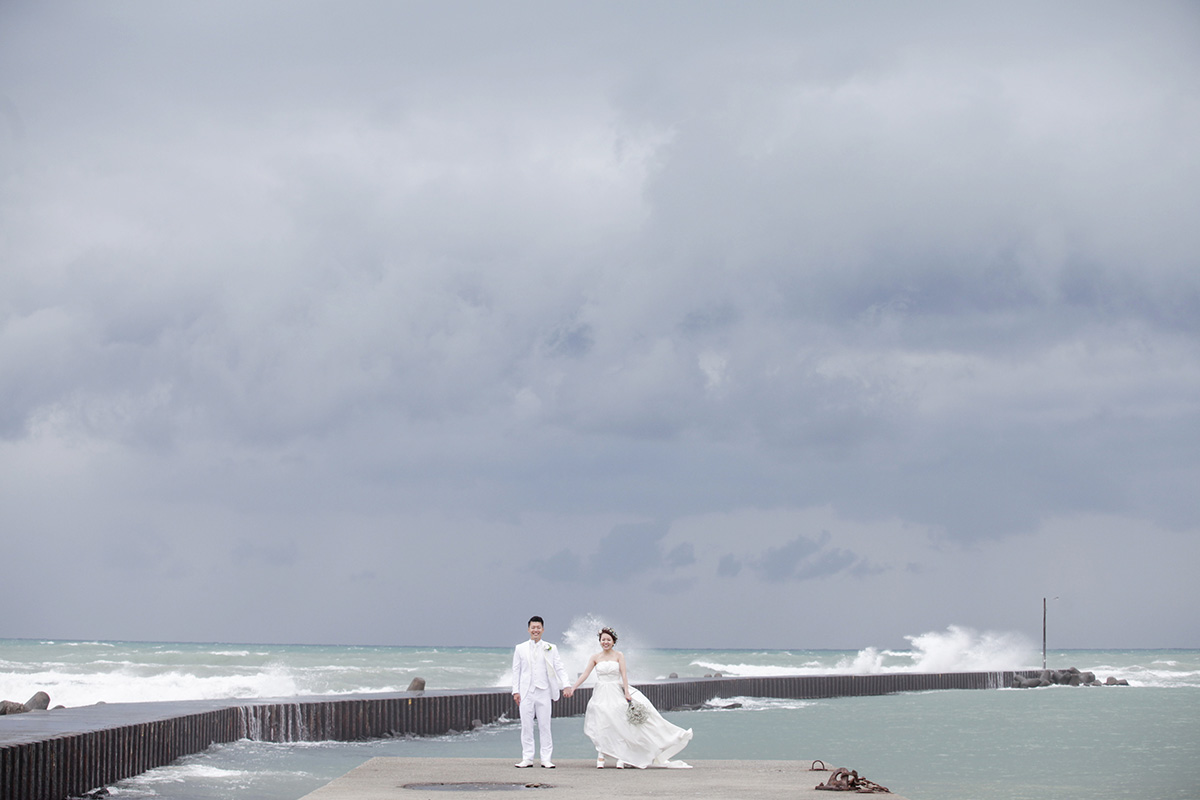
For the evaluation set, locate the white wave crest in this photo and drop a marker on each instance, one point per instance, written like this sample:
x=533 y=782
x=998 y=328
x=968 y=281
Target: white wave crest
x=1149 y=676
x=757 y=704
x=126 y=684
x=742 y=670
x=960 y=649
x=957 y=649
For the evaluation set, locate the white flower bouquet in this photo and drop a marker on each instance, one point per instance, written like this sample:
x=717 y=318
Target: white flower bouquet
x=636 y=714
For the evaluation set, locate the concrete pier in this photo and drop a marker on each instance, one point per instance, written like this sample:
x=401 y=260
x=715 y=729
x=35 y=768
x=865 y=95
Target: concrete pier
x=52 y=755
x=448 y=778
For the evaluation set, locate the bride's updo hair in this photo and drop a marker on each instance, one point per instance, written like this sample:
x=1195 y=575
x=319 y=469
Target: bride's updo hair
x=610 y=632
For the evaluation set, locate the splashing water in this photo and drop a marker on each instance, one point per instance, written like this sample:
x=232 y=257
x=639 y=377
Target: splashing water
x=961 y=649
x=957 y=649
x=867 y=661
x=581 y=640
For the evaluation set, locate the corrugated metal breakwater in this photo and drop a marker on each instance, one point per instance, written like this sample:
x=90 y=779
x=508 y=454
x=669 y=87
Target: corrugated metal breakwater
x=68 y=752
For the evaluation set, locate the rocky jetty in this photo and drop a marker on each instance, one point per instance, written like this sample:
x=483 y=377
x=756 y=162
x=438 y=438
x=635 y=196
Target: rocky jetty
x=1065 y=677
x=39 y=702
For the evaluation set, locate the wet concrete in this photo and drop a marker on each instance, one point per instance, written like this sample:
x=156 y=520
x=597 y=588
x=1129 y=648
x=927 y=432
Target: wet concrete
x=480 y=778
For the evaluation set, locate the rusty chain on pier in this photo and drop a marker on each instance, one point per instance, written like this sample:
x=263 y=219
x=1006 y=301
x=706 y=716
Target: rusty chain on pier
x=848 y=780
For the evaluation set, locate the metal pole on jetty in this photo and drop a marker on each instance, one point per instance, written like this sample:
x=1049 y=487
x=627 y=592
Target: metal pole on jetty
x=1044 y=631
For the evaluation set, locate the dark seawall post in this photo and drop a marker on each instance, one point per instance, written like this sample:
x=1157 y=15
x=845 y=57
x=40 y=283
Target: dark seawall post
x=68 y=752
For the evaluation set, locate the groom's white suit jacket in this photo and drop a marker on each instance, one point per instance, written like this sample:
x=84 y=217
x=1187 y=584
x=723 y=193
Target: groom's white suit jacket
x=522 y=667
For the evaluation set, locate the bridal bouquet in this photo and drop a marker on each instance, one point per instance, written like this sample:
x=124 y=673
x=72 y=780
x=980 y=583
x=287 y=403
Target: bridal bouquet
x=635 y=714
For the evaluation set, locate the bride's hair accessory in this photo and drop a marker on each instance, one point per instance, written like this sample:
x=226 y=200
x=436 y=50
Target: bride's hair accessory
x=610 y=632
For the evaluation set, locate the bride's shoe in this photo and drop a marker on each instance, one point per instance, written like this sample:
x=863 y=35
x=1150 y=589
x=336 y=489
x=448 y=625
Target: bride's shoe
x=600 y=763
x=620 y=764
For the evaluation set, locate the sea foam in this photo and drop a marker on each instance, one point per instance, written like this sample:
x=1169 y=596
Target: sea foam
x=957 y=649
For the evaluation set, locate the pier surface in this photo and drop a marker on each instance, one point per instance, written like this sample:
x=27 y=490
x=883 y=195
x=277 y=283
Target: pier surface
x=407 y=779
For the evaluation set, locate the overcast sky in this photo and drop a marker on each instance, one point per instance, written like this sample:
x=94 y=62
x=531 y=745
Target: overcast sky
x=737 y=324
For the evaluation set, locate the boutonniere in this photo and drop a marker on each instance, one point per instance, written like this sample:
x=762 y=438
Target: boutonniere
x=549 y=647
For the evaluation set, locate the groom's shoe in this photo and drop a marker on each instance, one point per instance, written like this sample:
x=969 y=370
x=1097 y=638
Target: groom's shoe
x=548 y=764
x=523 y=763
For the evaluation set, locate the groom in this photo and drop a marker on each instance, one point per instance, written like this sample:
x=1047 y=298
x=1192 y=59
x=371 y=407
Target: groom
x=538 y=674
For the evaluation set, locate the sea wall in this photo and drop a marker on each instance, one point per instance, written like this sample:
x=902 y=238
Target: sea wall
x=68 y=752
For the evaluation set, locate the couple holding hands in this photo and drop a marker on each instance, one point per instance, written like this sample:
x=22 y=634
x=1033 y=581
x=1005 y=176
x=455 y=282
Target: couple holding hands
x=622 y=724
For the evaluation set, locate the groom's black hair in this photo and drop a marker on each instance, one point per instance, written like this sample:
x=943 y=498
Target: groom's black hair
x=539 y=620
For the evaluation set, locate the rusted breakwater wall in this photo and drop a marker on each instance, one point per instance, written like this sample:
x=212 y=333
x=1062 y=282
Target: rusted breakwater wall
x=68 y=752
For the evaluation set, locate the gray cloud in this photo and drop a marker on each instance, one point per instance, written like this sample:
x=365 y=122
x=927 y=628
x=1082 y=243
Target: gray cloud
x=803 y=558
x=626 y=551
x=330 y=289
x=729 y=566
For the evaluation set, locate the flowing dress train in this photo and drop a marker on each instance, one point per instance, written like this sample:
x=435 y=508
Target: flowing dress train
x=650 y=744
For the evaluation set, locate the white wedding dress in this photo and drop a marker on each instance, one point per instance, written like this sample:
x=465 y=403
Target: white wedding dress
x=650 y=744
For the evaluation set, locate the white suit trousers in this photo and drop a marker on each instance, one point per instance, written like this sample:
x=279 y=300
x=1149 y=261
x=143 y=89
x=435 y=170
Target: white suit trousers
x=535 y=704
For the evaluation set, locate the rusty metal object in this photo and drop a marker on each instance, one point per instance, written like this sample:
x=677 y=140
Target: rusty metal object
x=848 y=780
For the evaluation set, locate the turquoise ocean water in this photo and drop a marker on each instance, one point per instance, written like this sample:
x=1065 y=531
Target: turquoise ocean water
x=1141 y=741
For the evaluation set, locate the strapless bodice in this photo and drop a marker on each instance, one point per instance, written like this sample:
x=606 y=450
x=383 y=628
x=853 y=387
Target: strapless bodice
x=608 y=672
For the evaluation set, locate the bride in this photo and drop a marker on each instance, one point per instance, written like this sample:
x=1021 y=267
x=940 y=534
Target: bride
x=620 y=721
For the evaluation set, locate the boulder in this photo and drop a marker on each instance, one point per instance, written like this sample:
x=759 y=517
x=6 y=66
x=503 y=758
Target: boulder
x=1064 y=677
x=417 y=685
x=9 y=707
x=673 y=675
x=39 y=702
